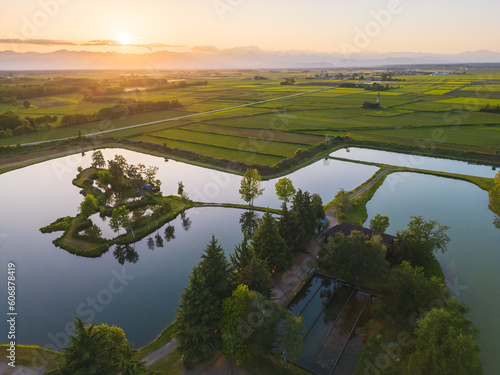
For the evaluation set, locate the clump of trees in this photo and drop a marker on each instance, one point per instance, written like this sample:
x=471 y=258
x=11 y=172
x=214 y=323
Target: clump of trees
x=288 y=81
x=99 y=350
x=119 y=111
x=226 y=307
x=357 y=257
x=490 y=109
x=12 y=124
x=418 y=243
x=121 y=176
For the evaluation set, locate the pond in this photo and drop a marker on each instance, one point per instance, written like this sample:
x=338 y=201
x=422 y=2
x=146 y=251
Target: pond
x=472 y=261
x=415 y=161
x=53 y=286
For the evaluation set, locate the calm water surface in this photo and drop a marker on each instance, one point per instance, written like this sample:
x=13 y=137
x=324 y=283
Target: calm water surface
x=415 y=161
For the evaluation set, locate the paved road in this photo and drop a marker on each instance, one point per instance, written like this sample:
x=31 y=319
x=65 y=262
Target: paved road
x=179 y=117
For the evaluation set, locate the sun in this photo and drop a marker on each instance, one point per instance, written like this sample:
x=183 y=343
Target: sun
x=124 y=39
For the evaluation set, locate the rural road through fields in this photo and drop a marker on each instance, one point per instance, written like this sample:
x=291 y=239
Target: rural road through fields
x=179 y=118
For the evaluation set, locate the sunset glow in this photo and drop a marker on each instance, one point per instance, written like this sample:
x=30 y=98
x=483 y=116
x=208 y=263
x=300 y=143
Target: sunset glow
x=319 y=26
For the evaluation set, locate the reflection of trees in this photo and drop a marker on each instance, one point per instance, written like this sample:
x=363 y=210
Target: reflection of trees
x=93 y=232
x=169 y=233
x=327 y=291
x=186 y=222
x=125 y=253
x=302 y=294
x=138 y=213
x=496 y=222
x=151 y=243
x=351 y=312
x=249 y=222
x=158 y=240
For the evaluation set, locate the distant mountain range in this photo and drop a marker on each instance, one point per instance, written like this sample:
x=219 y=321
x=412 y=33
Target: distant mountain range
x=208 y=57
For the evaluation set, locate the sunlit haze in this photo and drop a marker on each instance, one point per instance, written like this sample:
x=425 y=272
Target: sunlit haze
x=133 y=26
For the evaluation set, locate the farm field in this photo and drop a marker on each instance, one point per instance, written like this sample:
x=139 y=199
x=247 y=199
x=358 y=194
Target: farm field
x=437 y=108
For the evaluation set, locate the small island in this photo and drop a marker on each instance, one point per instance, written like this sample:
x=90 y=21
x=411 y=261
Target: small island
x=127 y=194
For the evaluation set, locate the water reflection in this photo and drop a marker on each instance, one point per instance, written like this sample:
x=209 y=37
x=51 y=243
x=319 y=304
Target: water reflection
x=169 y=233
x=186 y=222
x=496 y=222
x=125 y=253
x=158 y=240
x=249 y=221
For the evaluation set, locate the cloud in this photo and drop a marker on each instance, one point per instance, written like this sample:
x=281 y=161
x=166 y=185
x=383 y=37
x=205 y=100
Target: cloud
x=103 y=42
x=44 y=42
x=205 y=49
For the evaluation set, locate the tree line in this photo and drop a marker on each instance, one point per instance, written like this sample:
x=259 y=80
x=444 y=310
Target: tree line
x=13 y=124
x=119 y=111
x=490 y=109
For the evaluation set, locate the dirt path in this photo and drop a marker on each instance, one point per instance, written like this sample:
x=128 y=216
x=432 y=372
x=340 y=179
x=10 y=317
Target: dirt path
x=370 y=184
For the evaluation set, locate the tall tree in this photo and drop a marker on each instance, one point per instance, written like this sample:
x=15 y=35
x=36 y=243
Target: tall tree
x=250 y=186
x=291 y=332
x=284 y=189
x=419 y=242
x=256 y=276
x=290 y=229
x=100 y=350
x=98 y=160
x=216 y=271
x=233 y=308
x=197 y=321
x=317 y=206
x=268 y=244
x=248 y=324
x=342 y=202
x=379 y=223
x=104 y=179
x=445 y=344
x=120 y=219
x=242 y=255
x=305 y=216
x=88 y=206
x=180 y=189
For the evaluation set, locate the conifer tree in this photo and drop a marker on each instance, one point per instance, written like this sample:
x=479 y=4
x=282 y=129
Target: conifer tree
x=216 y=271
x=256 y=276
x=290 y=228
x=268 y=244
x=242 y=255
x=197 y=321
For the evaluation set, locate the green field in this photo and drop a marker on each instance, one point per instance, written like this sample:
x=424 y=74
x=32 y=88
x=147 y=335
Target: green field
x=415 y=108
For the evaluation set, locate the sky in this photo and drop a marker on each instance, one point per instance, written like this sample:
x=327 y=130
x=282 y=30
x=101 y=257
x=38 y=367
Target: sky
x=141 y=26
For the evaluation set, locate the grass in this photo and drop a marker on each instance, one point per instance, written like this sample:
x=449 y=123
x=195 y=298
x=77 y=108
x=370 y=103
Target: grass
x=169 y=365
x=32 y=356
x=165 y=337
x=357 y=215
